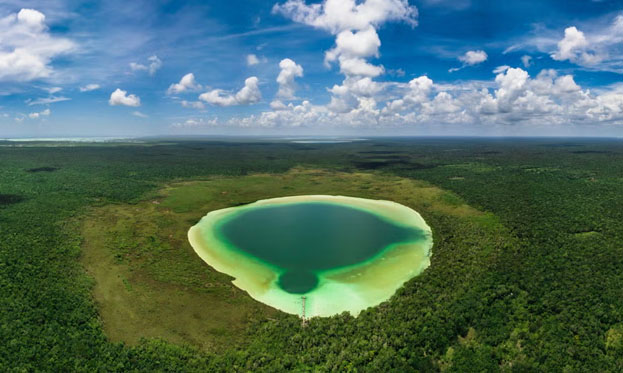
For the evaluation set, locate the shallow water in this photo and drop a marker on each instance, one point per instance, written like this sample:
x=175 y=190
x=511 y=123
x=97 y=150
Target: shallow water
x=316 y=255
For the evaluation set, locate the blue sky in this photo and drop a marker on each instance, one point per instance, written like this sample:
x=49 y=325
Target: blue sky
x=296 y=67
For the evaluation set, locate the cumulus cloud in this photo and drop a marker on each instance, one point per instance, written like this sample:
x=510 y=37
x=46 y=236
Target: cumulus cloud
x=89 y=87
x=594 y=45
x=289 y=71
x=607 y=107
x=121 y=97
x=470 y=58
x=548 y=98
x=277 y=105
x=186 y=84
x=597 y=49
x=139 y=114
x=27 y=48
x=573 y=47
x=354 y=24
x=249 y=94
x=418 y=92
x=40 y=114
x=153 y=65
x=473 y=57
x=339 y=15
x=351 y=49
x=512 y=97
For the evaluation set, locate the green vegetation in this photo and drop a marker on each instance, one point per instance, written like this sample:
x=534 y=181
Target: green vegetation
x=528 y=278
x=151 y=238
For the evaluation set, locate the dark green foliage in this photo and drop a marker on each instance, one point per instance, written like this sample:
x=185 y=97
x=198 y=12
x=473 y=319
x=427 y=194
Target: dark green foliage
x=42 y=169
x=543 y=299
x=9 y=199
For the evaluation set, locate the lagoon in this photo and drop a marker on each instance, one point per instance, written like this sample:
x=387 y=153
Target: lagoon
x=316 y=255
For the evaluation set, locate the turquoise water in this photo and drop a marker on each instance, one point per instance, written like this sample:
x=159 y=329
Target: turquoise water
x=303 y=239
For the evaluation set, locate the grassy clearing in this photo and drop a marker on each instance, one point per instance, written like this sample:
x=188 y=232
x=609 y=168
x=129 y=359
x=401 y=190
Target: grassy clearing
x=150 y=283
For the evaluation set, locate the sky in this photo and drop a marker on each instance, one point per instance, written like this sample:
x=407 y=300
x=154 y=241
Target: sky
x=310 y=68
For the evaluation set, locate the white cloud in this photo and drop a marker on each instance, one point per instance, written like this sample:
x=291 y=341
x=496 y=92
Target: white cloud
x=89 y=87
x=573 y=47
x=249 y=94
x=351 y=49
x=47 y=100
x=354 y=24
x=121 y=97
x=358 y=44
x=32 y=18
x=359 y=67
x=501 y=69
x=252 y=60
x=135 y=66
x=592 y=44
x=193 y=104
x=526 y=61
x=27 y=48
x=289 y=71
x=139 y=114
x=288 y=116
x=608 y=107
x=196 y=123
x=154 y=65
x=418 y=92
x=510 y=97
x=186 y=84
x=277 y=105
x=40 y=114
x=470 y=58
x=365 y=87
x=511 y=84
x=339 y=15
x=513 y=97
x=353 y=94
x=53 y=90
x=473 y=57
x=217 y=97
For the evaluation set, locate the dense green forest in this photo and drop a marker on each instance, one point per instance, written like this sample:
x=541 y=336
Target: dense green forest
x=541 y=290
